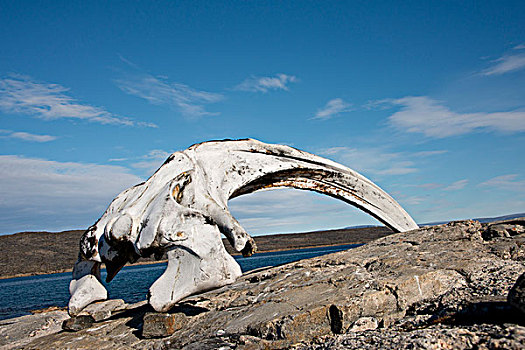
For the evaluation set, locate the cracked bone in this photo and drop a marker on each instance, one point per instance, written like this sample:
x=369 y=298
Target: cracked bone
x=182 y=209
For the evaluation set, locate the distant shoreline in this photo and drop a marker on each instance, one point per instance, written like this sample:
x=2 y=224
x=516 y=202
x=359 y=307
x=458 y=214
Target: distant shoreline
x=40 y=253
x=151 y=262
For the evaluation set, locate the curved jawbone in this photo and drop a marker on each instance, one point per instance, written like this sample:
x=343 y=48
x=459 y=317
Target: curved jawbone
x=182 y=209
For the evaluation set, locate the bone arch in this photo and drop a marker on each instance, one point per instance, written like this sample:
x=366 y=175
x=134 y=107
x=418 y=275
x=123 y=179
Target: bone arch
x=182 y=210
x=303 y=180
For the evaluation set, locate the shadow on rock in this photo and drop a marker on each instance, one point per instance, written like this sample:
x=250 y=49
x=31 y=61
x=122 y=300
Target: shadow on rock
x=188 y=309
x=490 y=312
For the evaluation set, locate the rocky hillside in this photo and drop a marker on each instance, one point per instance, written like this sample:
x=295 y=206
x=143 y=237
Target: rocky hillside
x=440 y=287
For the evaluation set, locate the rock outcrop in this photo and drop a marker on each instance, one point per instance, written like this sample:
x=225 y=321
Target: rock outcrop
x=444 y=286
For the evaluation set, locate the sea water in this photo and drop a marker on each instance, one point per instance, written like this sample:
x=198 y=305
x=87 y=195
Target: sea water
x=18 y=296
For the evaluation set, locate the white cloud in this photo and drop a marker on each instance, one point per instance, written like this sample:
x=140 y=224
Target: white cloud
x=519 y=47
x=429 y=186
x=20 y=94
x=378 y=161
x=509 y=182
x=25 y=136
x=332 y=108
x=38 y=194
x=458 y=185
x=413 y=200
x=373 y=160
x=145 y=164
x=263 y=84
x=429 y=153
x=427 y=116
x=158 y=91
x=399 y=168
x=151 y=161
x=378 y=105
x=334 y=150
x=506 y=64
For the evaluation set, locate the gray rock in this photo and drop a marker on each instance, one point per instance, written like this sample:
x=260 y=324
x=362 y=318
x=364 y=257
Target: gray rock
x=483 y=336
x=103 y=310
x=364 y=324
x=162 y=324
x=503 y=230
x=211 y=344
x=441 y=286
x=16 y=332
x=78 y=323
x=517 y=294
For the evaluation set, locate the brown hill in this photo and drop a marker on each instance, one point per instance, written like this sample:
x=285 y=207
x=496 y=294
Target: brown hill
x=33 y=253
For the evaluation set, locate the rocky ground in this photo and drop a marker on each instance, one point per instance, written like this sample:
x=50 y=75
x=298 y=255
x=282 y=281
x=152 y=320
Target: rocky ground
x=440 y=287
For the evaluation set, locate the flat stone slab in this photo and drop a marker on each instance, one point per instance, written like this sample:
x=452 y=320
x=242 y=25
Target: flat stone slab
x=103 y=310
x=162 y=324
x=19 y=331
x=363 y=324
x=78 y=323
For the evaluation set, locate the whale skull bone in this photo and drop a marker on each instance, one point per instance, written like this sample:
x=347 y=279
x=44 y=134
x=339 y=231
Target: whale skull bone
x=182 y=209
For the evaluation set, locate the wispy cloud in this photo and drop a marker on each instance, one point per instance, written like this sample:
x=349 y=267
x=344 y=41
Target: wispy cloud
x=145 y=164
x=151 y=161
x=264 y=84
x=332 y=108
x=160 y=91
x=509 y=182
x=43 y=194
x=413 y=200
x=424 y=154
x=519 y=47
x=424 y=115
x=20 y=94
x=429 y=186
x=506 y=64
x=25 y=136
x=456 y=186
x=372 y=160
x=378 y=161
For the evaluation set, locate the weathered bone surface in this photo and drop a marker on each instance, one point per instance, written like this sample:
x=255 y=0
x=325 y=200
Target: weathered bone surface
x=183 y=208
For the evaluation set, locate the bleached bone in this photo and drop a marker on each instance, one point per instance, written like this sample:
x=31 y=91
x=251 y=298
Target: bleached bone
x=183 y=209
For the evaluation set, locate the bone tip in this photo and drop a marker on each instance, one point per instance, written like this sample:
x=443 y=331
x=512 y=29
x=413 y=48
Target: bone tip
x=249 y=249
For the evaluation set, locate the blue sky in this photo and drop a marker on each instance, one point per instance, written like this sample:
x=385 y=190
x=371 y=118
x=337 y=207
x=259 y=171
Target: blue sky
x=427 y=99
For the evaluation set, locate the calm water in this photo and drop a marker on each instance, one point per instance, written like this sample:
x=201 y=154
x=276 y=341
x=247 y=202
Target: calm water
x=20 y=295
